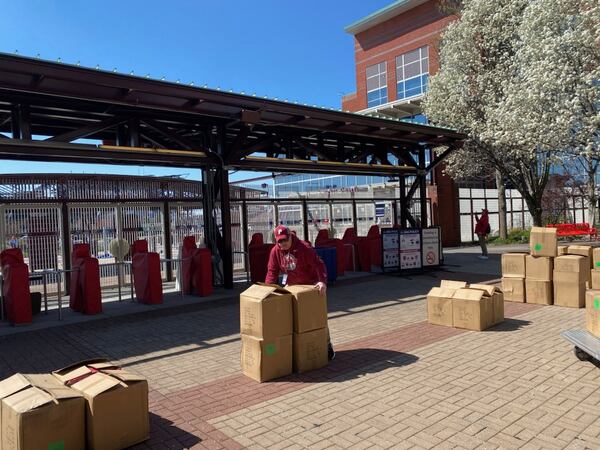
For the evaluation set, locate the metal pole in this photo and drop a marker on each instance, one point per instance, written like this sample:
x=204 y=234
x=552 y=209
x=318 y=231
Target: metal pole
x=167 y=239
x=423 y=187
x=59 y=296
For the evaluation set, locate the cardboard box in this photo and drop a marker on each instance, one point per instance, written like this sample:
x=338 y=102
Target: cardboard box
x=538 y=291
x=38 y=412
x=569 y=289
x=595 y=281
x=471 y=309
x=513 y=265
x=561 y=250
x=573 y=264
x=309 y=307
x=582 y=250
x=543 y=241
x=514 y=289
x=439 y=306
x=592 y=311
x=497 y=301
x=310 y=350
x=266 y=359
x=116 y=403
x=539 y=268
x=596 y=258
x=451 y=284
x=266 y=311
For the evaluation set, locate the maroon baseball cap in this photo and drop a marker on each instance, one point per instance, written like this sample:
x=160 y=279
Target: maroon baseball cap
x=281 y=233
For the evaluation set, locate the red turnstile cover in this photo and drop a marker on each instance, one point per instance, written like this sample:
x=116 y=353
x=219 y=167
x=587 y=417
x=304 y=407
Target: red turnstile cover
x=258 y=257
x=188 y=249
x=85 y=296
x=15 y=289
x=147 y=278
x=202 y=279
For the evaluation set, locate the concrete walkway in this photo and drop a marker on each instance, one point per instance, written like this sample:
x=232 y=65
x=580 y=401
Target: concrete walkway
x=397 y=382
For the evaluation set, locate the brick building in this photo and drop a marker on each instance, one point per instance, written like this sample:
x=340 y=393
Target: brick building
x=395 y=52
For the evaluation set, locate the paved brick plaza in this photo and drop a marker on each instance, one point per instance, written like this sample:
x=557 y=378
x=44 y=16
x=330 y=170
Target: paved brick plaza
x=396 y=381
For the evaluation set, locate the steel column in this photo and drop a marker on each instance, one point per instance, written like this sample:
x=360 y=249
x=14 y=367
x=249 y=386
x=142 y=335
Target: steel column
x=167 y=239
x=403 y=204
x=423 y=187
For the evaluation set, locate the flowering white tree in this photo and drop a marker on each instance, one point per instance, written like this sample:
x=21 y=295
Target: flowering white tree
x=495 y=84
x=553 y=102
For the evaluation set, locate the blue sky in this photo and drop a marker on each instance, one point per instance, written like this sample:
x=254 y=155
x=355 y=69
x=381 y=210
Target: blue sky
x=293 y=50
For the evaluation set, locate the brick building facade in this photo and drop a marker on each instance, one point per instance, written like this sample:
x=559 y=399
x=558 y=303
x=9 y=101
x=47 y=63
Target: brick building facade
x=395 y=51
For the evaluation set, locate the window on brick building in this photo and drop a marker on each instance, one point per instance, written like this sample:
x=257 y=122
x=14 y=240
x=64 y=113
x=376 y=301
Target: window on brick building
x=377 y=84
x=412 y=73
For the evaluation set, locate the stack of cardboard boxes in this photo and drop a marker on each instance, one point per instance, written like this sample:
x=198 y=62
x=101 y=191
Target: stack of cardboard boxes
x=92 y=404
x=551 y=274
x=538 y=279
x=513 y=276
x=571 y=273
x=456 y=304
x=282 y=330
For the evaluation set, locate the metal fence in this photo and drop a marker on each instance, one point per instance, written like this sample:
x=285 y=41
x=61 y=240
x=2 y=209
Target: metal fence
x=472 y=201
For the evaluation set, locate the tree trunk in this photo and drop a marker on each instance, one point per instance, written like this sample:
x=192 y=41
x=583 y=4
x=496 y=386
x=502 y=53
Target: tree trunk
x=535 y=209
x=592 y=197
x=501 y=205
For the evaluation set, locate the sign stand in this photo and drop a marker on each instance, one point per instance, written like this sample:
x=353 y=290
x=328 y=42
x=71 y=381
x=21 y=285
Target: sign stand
x=410 y=249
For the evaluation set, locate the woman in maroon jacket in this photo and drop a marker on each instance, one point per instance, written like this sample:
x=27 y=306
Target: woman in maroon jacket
x=299 y=264
x=482 y=229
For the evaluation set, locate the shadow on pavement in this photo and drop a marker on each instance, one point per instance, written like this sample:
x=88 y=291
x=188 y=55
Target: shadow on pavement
x=166 y=435
x=351 y=364
x=510 y=325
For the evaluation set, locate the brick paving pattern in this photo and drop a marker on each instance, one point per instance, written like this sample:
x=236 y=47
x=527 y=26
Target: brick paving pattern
x=396 y=381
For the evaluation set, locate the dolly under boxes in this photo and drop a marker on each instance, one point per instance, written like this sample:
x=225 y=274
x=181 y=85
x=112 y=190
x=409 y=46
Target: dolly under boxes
x=571 y=272
x=116 y=403
x=38 y=412
x=266 y=332
x=513 y=276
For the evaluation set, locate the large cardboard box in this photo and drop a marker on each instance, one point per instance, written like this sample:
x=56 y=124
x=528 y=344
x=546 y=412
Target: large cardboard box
x=538 y=291
x=514 y=289
x=38 y=412
x=561 y=250
x=569 y=289
x=543 y=241
x=266 y=311
x=309 y=307
x=513 y=265
x=497 y=301
x=573 y=264
x=472 y=309
x=451 y=284
x=266 y=359
x=582 y=250
x=596 y=258
x=595 y=281
x=310 y=350
x=439 y=306
x=592 y=311
x=116 y=403
x=539 y=267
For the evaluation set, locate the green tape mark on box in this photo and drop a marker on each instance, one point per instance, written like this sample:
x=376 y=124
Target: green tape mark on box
x=56 y=445
x=598 y=264
x=597 y=303
x=538 y=247
x=270 y=349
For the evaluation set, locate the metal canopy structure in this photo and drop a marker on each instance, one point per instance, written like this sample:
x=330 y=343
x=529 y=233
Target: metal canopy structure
x=47 y=107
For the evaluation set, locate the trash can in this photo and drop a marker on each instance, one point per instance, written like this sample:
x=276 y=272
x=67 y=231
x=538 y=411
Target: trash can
x=329 y=257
